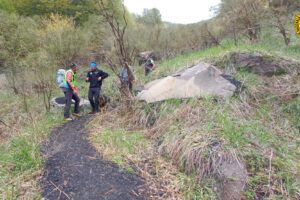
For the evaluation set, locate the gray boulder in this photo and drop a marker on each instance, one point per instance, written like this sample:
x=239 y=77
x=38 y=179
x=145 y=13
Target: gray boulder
x=260 y=64
x=198 y=81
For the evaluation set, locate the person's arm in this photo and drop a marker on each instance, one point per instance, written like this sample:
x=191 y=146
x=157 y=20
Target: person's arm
x=102 y=75
x=121 y=73
x=147 y=66
x=88 y=77
x=131 y=74
x=69 y=81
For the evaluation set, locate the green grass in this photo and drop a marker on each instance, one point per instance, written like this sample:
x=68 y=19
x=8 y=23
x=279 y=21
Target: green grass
x=20 y=159
x=195 y=191
x=20 y=156
x=292 y=110
x=240 y=134
x=267 y=46
x=264 y=125
x=119 y=143
x=239 y=124
x=126 y=148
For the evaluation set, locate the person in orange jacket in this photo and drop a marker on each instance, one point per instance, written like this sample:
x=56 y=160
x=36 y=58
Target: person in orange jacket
x=71 y=92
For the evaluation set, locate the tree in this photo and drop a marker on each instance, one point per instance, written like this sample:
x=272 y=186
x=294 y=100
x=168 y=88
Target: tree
x=61 y=39
x=210 y=36
x=243 y=16
x=280 y=10
x=78 y=9
x=17 y=40
x=116 y=16
x=151 y=19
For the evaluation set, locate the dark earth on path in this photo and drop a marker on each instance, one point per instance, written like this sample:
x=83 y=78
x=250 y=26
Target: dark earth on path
x=75 y=170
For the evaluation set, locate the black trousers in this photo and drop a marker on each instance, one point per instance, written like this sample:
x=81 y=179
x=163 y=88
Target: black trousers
x=94 y=94
x=69 y=95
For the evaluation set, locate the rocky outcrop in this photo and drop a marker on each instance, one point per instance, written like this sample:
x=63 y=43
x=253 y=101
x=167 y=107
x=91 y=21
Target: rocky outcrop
x=232 y=179
x=198 y=81
x=258 y=63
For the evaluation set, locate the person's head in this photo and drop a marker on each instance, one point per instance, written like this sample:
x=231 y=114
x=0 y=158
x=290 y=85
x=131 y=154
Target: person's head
x=126 y=65
x=93 y=66
x=74 y=67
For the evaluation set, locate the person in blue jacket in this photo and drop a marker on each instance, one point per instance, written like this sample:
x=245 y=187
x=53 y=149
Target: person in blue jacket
x=95 y=77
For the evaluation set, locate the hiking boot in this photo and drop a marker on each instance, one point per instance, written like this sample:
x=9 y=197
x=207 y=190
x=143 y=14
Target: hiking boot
x=92 y=113
x=68 y=119
x=77 y=114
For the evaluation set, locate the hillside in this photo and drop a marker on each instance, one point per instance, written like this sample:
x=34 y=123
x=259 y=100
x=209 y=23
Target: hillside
x=257 y=129
x=242 y=146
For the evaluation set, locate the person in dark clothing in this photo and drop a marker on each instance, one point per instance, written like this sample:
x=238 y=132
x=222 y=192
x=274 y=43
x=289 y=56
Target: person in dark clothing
x=149 y=66
x=71 y=92
x=126 y=76
x=95 y=78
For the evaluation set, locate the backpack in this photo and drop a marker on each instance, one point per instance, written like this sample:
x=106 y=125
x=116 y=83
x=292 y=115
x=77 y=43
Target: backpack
x=60 y=77
x=150 y=61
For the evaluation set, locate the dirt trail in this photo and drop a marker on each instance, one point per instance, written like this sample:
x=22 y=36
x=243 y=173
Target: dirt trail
x=74 y=170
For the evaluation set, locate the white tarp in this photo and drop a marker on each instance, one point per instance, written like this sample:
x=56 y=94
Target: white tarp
x=59 y=102
x=198 y=81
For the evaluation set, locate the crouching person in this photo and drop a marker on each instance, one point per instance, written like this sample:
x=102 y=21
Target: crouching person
x=95 y=77
x=71 y=92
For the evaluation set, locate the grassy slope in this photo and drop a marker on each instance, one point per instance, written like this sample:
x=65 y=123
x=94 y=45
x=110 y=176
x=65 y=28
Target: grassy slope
x=258 y=127
x=20 y=159
x=253 y=129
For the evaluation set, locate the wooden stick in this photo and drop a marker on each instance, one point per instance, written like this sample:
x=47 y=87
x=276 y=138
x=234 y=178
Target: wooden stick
x=270 y=170
x=5 y=124
x=59 y=190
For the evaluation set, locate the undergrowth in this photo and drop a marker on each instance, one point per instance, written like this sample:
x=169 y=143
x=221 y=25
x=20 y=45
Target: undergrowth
x=21 y=161
x=258 y=127
x=23 y=133
x=261 y=126
x=136 y=154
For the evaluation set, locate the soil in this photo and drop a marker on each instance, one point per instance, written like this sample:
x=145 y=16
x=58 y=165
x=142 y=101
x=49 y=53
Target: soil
x=74 y=170
x=264 y=65
x=258 y=63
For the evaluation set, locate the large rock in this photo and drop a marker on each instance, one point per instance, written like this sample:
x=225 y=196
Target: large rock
x=258 y=63
x=198 y=81
x=59 y=102
x=231 y=180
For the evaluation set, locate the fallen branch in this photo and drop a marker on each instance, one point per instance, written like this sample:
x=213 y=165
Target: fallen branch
x=5 y=124
x=60 y=190
x=270 y=171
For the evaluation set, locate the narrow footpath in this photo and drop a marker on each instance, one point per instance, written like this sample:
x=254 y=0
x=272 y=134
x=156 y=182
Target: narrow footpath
x=75 y=170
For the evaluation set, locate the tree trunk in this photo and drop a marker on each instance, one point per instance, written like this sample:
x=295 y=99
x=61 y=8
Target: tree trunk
x=235 y=36
x=281 y=28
